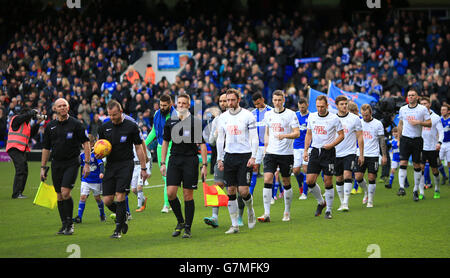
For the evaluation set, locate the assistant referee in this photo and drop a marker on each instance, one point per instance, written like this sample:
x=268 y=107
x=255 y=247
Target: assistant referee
x=185 y=132
x=64 y=138
x=122 y=134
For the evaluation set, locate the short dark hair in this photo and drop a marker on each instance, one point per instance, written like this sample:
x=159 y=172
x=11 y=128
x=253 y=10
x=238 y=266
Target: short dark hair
x=165 y=98
x=427 y=99
x=256 y=96
x=322 y=97
x=340 y=98
x=302 y=100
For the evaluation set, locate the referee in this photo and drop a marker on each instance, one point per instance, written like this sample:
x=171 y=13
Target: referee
x=64 y=137
x=185 y=132
x=122 y=133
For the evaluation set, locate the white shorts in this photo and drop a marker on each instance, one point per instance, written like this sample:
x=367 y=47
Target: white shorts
x=259 y=155
x=136 y=179
x=394 y=164
x=444 y=153
x=298 y=158
x=86 y=188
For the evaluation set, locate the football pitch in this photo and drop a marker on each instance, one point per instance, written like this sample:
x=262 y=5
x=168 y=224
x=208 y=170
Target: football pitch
x=396 y=227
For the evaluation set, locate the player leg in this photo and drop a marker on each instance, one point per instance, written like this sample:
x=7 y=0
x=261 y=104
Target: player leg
x=298 y=157
x=270 y=167
x=286 y=164
x=230 y=176
x=417 y=154
x=174 y=179
x=373 y=166
x=244 y=175
x=213 y=221
x=84 y=193
x=258 y=160
x=339 y=174
x=166 y=205
x=312 y=173
x=67 y=184
x=435 y=171
x=190 y=180
x=442 y=158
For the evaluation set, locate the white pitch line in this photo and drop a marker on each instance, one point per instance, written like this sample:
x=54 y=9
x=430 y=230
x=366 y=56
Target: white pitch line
x=161 y=185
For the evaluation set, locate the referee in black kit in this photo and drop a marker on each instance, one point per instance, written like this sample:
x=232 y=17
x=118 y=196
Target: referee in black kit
x=122 y=134
x=64 y=137
x=185 y=132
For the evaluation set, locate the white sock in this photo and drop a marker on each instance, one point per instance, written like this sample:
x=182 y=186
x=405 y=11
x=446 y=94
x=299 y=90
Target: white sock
x=329 y=197
x=233 y=209
x=267 y=197
x=347 y=190
x=317 y=193
x=215 y=212
x=401 y=177
x=249 y=204
x=140 y=196
x=371 y=190
x=363 y=186
x=437 y=181
x=288 y=193
x=417 y=176
x=340 y=191
x=422 y=185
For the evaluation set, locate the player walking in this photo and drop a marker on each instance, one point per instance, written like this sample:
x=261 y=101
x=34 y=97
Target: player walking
x=299 y=148
x=237 y=144
x=325 y=131
x=281 y=129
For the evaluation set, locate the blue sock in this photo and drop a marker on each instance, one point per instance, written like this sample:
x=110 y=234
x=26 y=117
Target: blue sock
x=101 y=208
x=300 y=179
x=81 y=206
x=281 y=188
x=406 y=182
x=126 y=202
x=391 y=179
x=253 y=182
x=355 y=186
x=322 y=175
x=442 y=170
x=275 y=189
x=427 y=173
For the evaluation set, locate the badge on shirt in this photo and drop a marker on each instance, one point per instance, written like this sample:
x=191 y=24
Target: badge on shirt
x=123 y=139
x=186 y=133
x=69 y=135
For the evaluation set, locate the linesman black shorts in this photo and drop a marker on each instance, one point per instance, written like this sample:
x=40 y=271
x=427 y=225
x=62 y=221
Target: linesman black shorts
x=322 y=160
x=411 y=147
x=371 y=164
x=236 y=172
x=431 y=157
x=273 y=161
x=64 y=174
x=183 y=169
x=118 y=176
x=346 y=163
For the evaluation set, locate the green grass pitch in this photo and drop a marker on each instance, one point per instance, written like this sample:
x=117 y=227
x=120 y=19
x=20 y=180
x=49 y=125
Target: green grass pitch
x=396 y=226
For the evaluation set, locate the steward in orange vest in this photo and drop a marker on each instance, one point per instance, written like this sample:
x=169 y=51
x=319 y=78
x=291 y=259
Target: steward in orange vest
x=19 y=134
x=132 y=75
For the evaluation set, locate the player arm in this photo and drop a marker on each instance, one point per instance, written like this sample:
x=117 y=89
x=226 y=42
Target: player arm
x=254 y=140
x=426 y=123
x=339 y=139
x=151 y=136
x=266 y=138
x=382 y=145
x=141 y=155
x=400 y=128
x=220 y=143
x=213 y=134
x=359 y=136
x=308 y=138
x=440 y=130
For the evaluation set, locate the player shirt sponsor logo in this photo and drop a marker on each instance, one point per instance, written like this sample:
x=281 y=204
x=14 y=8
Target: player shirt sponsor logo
x=276 y=127
x=123 y=139
x=410 y=118
x=367 y=135
x=426 y=128
x=69 y=135
x=345 y=129
x=234 y=130
x=318 y=129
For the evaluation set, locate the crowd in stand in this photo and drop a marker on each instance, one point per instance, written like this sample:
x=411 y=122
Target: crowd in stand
x=82 y=59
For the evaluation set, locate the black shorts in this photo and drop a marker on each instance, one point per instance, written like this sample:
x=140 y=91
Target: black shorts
x=371 y=164
x=236 y=172
x=117 y=177
x=411 y=147
x=321 y=160
x=346 y=163
x=182 y=169
x=273 y=161
x=64 y=174
x=431 y=157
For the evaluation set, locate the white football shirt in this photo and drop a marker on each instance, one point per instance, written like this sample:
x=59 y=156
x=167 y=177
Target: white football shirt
x=323 y=128
x=238 y=132
x=434 y=134
x=351 y=124
x=280 y=123
x=406 y=113
x=371 y=131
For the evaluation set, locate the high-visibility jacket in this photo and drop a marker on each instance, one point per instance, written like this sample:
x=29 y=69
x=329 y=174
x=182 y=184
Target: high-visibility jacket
x=150 y=76
x=19 y=139
x=132 y=76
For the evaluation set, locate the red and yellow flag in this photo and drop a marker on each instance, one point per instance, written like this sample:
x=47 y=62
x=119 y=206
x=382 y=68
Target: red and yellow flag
x=214 y=196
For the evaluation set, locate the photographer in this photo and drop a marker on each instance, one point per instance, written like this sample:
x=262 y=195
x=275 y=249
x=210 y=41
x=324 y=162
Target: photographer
x=19 y=134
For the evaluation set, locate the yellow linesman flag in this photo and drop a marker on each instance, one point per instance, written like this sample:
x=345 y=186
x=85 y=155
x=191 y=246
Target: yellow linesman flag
x=214 y=196
x=46 y=196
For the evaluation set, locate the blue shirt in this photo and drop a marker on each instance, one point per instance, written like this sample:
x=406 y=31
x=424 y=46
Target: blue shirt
x=395 y=151
x=259 y=116
x=446 y=126
x=94 y=175
x=299 y=143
